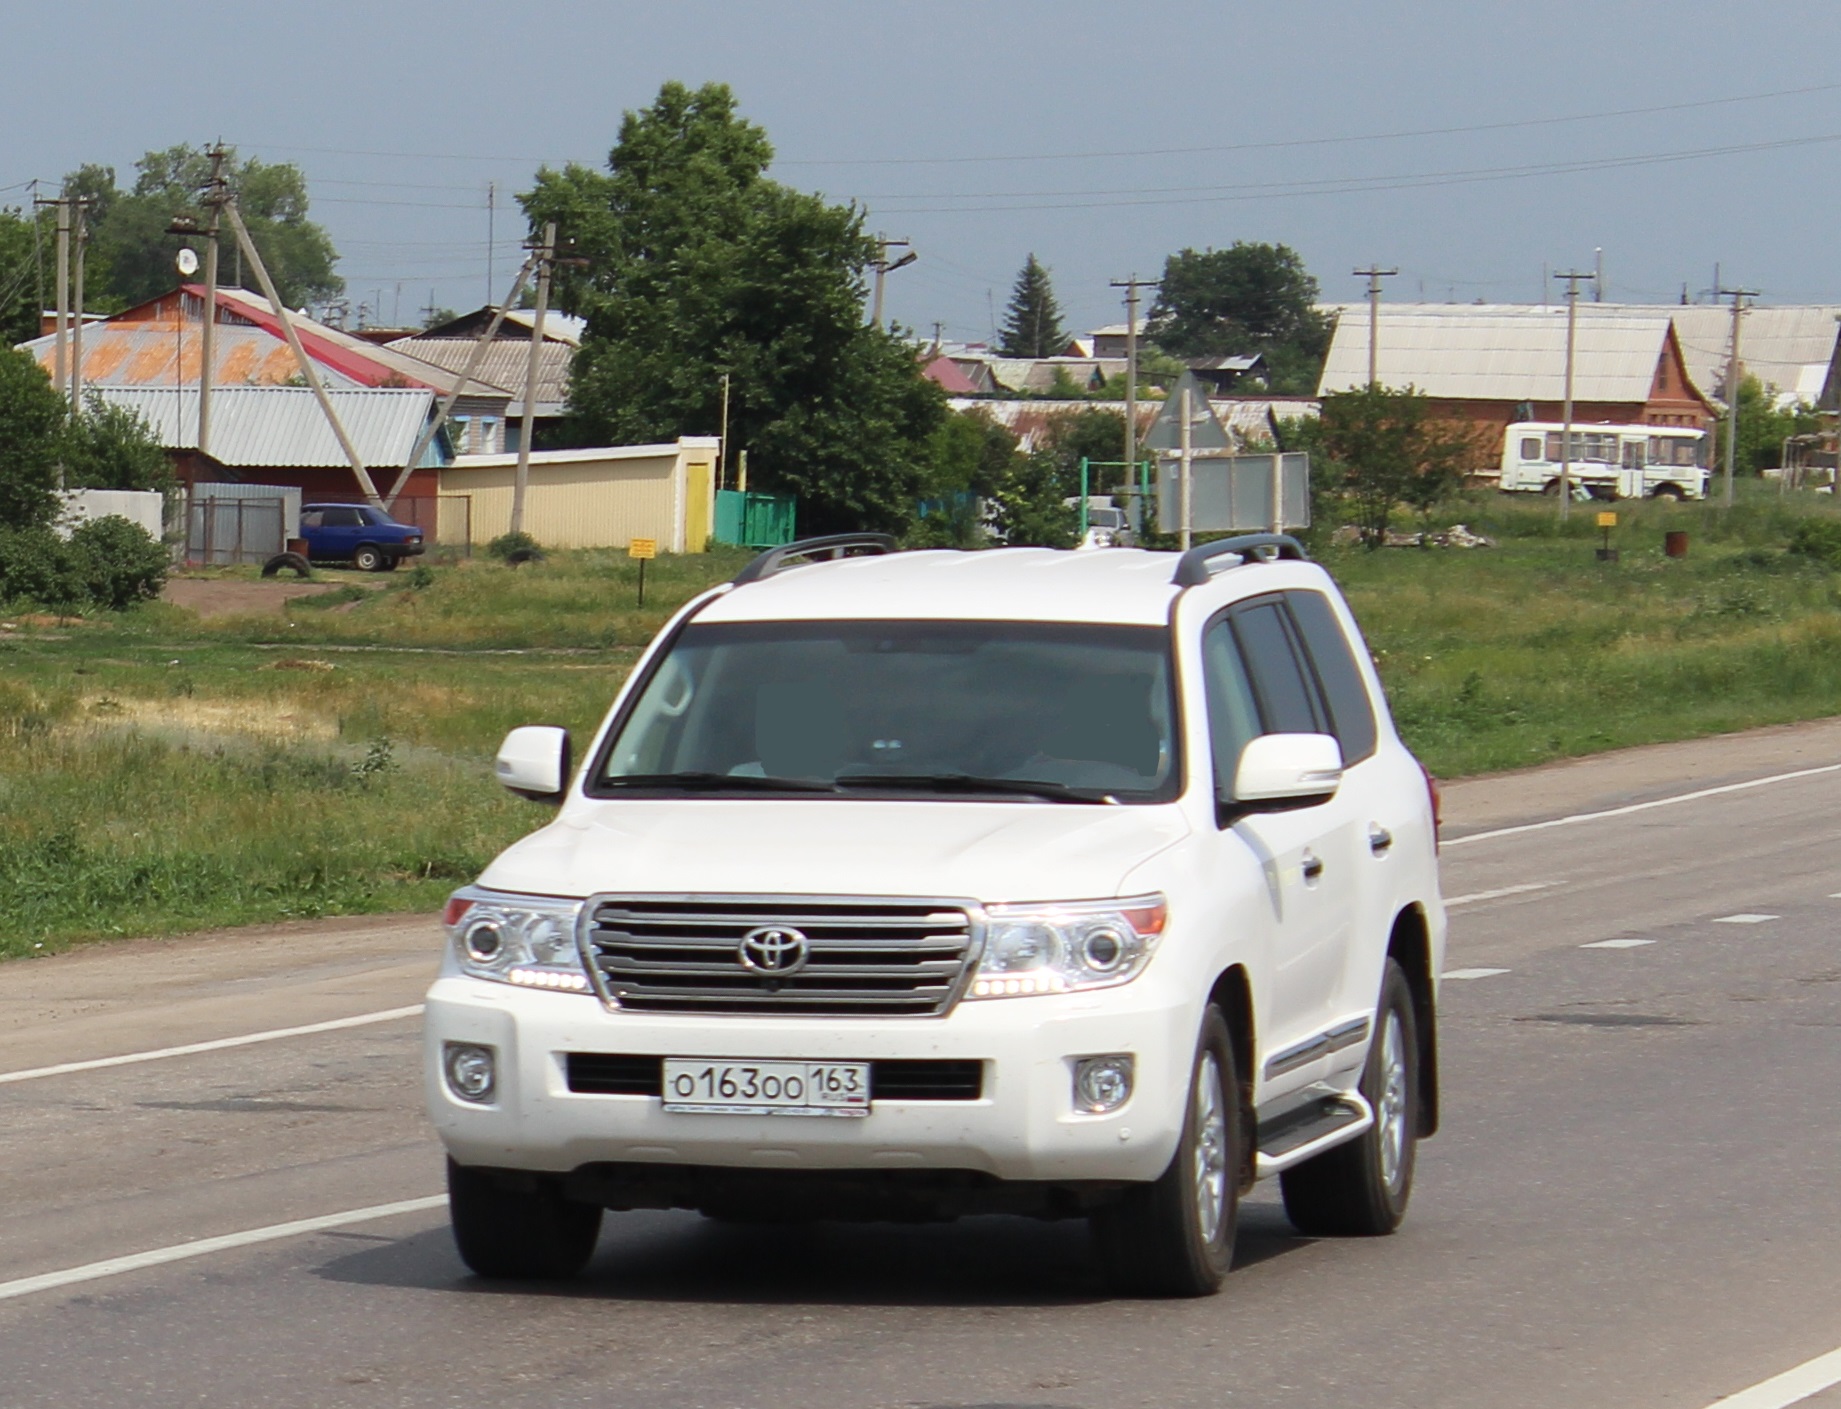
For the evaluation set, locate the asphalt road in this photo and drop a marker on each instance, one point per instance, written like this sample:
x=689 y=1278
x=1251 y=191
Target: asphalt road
x=1634 y=1202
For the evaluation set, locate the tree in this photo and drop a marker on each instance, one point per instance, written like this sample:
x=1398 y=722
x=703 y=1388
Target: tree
x=1763 y=428
x=1389 y=450
x=111 y=447
x=130 y=256
x=697 y=265
x=19 y=278
x=1249 y=298
x=1032 y=321
x=31 y=421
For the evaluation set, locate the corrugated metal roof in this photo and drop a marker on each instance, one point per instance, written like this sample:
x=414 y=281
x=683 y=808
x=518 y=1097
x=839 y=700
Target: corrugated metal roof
x=1249 y=418
x=1788 y=348
x=281 y=427
x=1501 y=352
x=502 y=367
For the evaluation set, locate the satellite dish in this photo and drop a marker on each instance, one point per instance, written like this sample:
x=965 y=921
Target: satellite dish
x=188 y=262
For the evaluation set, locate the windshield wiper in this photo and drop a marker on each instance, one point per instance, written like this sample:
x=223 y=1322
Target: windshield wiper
x=695 y=781
x=971 y=783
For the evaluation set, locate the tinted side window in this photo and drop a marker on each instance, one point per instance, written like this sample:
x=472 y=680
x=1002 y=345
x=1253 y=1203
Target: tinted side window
x=1233 y=713
x=1286 y=703
x=1351 y=713
x=342 y=518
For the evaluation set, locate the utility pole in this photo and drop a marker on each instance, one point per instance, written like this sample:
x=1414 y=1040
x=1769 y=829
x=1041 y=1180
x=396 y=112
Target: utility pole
x=215 y=196
x=1185 y=471
x=59 y=365
x=722 y=452
x=545 y=253
x=492 y=213
x=79 y=234
x=1734 y=369
x=1375 y=274
x=1598 y=275
x=1131 y=287
x=884 y=266
x=1572 y=277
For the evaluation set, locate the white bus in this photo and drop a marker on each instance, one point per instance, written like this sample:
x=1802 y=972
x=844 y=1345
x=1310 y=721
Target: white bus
x=1608 y=462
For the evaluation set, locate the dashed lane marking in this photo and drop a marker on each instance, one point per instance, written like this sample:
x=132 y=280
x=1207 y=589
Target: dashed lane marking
x=1793 y=1386
x=1617 y=944
x=1480 y=896
x=1472 y=973
x=202 y=1247
x=215 y=1045
x=1745 y=919
x=1635 y=807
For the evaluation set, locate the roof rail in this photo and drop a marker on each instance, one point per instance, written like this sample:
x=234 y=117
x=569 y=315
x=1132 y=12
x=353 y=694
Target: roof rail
x=1198 y=565
x=835 y=546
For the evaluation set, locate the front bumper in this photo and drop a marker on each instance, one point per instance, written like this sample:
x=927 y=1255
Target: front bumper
x=1023 y=1127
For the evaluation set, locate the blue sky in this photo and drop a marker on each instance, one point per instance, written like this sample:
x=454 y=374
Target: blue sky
x=1100 y=136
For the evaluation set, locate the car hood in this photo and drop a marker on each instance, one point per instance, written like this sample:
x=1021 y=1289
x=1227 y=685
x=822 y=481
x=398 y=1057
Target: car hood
x=986 y=851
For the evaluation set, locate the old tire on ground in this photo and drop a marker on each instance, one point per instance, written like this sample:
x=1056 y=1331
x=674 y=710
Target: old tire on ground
x=519 y=1228
x=1361 y=1189
x=368 y=557
x=287 y=562
x=1175 y=1236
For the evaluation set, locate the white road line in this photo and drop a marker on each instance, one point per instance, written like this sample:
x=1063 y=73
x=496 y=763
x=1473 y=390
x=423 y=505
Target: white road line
x=1472 y=973
x=216 y=1045
x=1483 y=895
x=1617 y=944
x=1791 y=1387
x=1746 y=919
x=1641 y=806
x=134 y=1262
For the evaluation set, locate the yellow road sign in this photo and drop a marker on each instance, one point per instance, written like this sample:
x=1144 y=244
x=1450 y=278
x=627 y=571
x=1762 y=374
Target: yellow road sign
x=642 y=548
x=1607 y=519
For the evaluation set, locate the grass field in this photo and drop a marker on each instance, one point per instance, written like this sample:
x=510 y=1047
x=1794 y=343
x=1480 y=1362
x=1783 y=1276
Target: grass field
x=158 y=773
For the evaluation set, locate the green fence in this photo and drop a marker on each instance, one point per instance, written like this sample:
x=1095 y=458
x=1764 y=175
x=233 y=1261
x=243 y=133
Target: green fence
x=754 y=520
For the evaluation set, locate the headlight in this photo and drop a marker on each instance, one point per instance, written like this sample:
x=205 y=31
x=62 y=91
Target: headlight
x=1033 y=949
x=528 y=940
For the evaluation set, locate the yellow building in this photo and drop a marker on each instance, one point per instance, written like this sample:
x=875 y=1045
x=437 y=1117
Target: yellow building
x=601 y=497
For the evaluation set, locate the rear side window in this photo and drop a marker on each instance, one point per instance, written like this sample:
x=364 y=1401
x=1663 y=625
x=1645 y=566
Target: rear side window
x=1351 y=712
x=341 y=518
x=1286 y=700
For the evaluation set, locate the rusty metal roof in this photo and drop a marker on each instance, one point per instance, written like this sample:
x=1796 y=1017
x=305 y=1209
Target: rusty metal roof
x=277 y=427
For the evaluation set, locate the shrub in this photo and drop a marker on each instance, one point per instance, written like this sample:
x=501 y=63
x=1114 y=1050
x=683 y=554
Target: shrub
x=119 y=563
x=38 y=566
x=1819 y=539
x=514 y=548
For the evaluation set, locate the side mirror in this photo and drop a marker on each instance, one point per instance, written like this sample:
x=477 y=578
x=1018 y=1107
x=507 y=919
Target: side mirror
x=534 y=762
x=1279 y=772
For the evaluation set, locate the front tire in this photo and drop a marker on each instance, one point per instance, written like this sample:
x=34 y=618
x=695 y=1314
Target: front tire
x=1175 y=1236
x=1361 y=1189
x=528 y=1233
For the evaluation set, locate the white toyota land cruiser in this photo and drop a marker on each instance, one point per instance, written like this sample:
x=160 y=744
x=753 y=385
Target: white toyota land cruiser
x=912 y=885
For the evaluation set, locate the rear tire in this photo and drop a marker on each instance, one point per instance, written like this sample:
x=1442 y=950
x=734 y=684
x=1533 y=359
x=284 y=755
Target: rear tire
x=368 y=558
x=1361 y=1189
x=1175 y=1236
x=529 y=1233
x=1668 y=491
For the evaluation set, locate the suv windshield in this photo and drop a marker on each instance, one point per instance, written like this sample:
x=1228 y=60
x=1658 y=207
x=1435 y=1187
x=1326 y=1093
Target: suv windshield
x=918 y=708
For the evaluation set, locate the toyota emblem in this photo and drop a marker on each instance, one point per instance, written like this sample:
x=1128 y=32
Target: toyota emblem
x=774 y=950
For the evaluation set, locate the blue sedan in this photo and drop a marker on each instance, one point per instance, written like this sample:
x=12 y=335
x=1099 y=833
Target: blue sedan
x=369 y=539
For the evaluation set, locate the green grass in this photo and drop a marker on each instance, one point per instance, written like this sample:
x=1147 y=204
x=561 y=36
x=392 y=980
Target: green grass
x=158 y=773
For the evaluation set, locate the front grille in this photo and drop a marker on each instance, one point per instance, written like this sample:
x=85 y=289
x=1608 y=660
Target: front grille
x=615 y=1074
x=863 y=957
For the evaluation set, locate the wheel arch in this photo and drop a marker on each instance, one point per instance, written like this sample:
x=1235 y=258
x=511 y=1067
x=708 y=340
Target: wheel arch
x=1410 y=946
x=1232 y=993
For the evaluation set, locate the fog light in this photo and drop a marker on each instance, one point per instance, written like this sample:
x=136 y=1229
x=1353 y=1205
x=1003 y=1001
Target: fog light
x=471 y=1071
x=1102 y=1084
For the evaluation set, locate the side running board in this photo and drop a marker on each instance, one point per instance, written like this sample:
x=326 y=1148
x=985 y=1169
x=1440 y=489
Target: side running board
x=1310 y=1130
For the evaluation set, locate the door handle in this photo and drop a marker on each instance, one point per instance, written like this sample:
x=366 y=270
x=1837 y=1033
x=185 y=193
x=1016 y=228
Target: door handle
x=1313 y=866
x=1380 y=840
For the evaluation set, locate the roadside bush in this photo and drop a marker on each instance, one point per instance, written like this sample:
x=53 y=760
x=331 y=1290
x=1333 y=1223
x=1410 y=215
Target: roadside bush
x=38 y=566
x=119 y=563
x=107 y=563
x=514 y=548
x=1819 y=539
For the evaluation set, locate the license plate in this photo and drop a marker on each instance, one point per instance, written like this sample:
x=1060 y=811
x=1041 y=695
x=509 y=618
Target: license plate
x=726 y=1086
